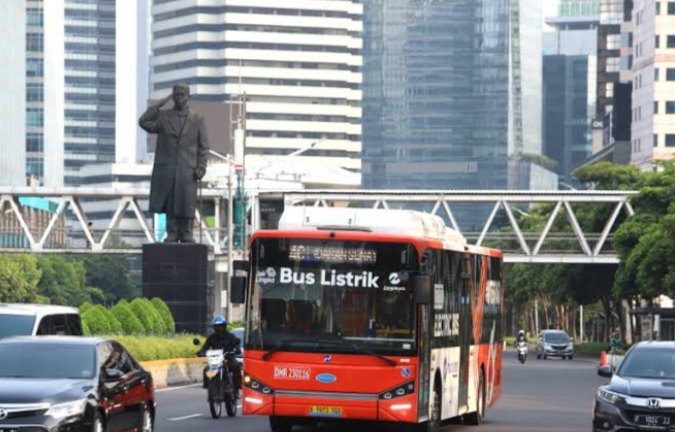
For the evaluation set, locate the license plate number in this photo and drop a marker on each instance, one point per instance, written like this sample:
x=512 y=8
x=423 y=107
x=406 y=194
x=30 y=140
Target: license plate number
x=292 y=373
x=325 y=411
x=648 y=420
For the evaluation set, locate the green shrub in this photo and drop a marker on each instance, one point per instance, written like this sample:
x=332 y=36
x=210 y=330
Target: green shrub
x=148 y=348
x=85 y=307
x=85 y=329
x=234 y=325
x=594 y=349
x=151 y=320
x=96 y=322
x=165 y=313
x=131 y=324
x=113 y=322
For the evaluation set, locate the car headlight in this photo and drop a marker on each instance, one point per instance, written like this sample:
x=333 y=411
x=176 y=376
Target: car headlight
x=67 y=409
x=610 y=396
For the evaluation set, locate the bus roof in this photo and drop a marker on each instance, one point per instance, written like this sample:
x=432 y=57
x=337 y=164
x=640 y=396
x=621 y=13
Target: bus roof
x=407 y=223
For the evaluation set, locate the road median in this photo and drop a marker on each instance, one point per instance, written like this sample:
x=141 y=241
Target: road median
x=175 y=372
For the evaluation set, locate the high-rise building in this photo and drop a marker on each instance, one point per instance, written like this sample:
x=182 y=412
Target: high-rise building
x=653 y=100
x=570 y=74
x=451 y=91
x=298 y=64
x=82 y=78
x=13 y=90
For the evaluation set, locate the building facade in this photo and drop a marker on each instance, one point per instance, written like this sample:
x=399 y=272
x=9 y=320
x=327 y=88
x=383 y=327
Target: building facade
x=298 y=65
x=437 y=90
x=653 y=107
x=82 y=78
x=13 y=88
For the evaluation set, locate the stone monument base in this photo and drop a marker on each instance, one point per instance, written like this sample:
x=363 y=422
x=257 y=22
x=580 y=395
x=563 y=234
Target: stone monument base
x=178 y=274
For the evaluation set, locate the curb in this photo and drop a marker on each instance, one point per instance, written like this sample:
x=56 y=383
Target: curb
x=175 y=372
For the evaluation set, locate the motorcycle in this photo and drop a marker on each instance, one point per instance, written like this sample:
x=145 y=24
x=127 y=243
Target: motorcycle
x=522 y=351
x=221 y=389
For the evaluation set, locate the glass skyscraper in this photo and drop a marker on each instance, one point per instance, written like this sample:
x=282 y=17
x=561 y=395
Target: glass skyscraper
x=437 y=94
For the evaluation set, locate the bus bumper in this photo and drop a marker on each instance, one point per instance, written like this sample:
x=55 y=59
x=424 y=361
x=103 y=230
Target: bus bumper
x=313 y=406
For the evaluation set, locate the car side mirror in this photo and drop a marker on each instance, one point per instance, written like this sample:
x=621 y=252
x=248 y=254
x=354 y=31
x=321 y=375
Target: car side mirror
x=112 y=375
x=238 y=289
x=422 y=287
x=605 y=371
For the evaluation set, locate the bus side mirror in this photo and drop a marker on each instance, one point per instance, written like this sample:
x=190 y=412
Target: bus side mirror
x=238 y=289
x=422 y=287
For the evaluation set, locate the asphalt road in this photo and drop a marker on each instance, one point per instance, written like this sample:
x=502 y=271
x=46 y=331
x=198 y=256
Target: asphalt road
x=539 y=396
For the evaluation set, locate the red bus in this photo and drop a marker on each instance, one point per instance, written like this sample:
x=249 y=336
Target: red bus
x=374 y=315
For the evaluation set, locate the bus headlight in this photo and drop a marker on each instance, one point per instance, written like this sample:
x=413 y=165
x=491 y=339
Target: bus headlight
x=256 y=385
x=403 y=390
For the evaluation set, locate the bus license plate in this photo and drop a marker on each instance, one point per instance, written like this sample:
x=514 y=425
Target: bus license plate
x=649 y=420
x=325 y=411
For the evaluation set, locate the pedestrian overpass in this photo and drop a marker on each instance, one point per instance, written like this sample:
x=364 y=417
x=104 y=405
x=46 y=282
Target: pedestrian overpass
x=106 y=220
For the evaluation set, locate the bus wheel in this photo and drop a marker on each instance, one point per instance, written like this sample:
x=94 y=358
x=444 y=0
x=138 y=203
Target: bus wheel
x=434 y=422
x=280 y=424
x=476 y=418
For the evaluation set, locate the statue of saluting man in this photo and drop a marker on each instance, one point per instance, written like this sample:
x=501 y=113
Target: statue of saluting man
x=180 y=162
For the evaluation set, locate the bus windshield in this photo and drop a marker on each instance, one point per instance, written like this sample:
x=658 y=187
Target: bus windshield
x=337 y=296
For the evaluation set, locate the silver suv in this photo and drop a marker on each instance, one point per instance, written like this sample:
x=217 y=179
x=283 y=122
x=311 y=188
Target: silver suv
x=555 y=343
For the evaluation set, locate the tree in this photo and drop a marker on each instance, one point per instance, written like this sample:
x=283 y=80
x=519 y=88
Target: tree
x=164 y=311
x=19 y=277
x=63 y=281
x=112 y=274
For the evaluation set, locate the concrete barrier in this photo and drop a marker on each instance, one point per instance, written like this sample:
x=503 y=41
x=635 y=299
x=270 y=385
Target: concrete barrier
x=175 y=372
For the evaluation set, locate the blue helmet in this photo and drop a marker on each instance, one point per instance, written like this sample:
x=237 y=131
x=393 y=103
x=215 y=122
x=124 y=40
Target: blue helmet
x=219 y=321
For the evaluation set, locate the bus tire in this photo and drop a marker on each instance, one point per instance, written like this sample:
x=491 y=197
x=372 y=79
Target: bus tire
x=280 y=424
x=476 y=418
x=434 y=422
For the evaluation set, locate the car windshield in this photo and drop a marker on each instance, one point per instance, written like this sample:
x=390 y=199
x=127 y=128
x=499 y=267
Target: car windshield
x=648 y=363
x=16 y=325
x=332 y=296
x=557 y=338
x=47 y=361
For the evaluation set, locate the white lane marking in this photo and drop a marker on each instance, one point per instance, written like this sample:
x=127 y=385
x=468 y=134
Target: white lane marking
x=168 y=389
x=185 y=417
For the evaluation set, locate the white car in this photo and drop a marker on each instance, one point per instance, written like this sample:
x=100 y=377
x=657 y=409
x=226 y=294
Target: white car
x=239 y=333
x=21 y=319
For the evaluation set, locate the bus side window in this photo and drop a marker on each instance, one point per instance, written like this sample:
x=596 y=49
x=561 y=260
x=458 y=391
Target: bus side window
x=495 y=269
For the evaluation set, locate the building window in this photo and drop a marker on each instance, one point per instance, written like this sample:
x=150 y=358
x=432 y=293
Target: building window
x=35 y=42
x=671 y=41
x=671 y=8
x=656 y=74
x=670 y=140
x=35 y=68
x=670 y=74
x=657 y=39
x=35 y=92
x=656 y=140
x=614 y=42
x=34 y=142
x=658 y=7
x=35 y=117
x=670 y=107
x=656 y=107
x=34 y=17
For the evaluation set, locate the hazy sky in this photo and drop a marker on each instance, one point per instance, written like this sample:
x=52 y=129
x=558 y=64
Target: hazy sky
x=550 y=9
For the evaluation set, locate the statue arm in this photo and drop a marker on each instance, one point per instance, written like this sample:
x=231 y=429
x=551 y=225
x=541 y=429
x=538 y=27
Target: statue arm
x=148 y=121
x=203 y=149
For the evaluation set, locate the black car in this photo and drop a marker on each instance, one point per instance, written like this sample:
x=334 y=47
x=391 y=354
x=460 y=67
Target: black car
x=641 y=394
x=72 y=384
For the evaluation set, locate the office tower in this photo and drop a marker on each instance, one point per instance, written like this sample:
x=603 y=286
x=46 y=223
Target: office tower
x=570 y=74
x=653 y=101
x=13 y=88
x=298 y=64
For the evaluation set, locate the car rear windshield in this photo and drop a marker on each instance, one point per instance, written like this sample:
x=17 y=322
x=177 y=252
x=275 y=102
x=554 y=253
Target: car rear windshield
x=16 y=325
x=556 y=337
x=648 y=363
x=47 y=361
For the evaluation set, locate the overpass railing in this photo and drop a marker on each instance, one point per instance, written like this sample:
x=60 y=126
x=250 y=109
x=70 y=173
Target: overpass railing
x=103 y=220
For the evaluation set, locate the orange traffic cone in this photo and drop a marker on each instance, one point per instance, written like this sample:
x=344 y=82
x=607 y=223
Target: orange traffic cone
x=603 y=359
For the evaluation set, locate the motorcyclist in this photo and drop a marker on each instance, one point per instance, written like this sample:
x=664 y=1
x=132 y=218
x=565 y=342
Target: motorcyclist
x=521 y=337
x=223 y=339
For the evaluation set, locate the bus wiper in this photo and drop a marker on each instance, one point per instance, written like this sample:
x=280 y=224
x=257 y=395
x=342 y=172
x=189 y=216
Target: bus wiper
x=282 y=344
x=358 y=349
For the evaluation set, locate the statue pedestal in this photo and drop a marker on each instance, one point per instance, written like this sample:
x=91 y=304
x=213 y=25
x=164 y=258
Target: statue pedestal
x=178 y=274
